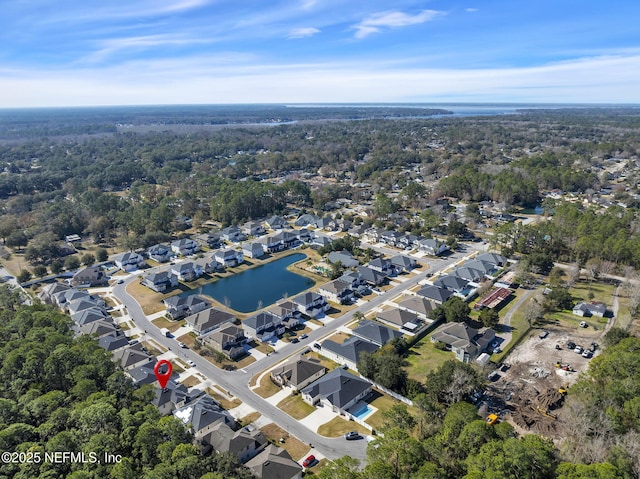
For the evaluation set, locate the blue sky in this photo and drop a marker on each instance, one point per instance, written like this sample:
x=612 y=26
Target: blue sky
x=117 y=52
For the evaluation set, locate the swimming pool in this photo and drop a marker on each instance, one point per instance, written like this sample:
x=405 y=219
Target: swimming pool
x=363 y=412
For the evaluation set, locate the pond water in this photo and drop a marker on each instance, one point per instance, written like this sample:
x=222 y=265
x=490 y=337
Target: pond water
x=257 y=287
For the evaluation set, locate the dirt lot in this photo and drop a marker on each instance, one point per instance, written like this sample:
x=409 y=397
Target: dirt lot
x=526 y=391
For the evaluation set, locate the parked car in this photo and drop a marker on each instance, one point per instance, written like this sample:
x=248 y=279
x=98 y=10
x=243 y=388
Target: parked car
x=303 y=336
x=350 y=436
x=578 y=349
x=120 y=281
x=571 y=345
x=586 y=354
x=294 y=340
x=309 y=460
x=317 y=346
x=191 y=363
x=583 y=324
x=544 y=334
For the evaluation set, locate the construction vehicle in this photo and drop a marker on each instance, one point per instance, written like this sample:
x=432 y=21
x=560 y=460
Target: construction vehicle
x=544 y=412
x=492 y=419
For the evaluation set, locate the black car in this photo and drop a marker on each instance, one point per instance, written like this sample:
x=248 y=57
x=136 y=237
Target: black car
x=294 y=340
x=350 y=436
x=571 y=345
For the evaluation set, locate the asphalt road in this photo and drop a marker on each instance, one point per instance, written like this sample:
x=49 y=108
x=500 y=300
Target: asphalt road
x=237 y=382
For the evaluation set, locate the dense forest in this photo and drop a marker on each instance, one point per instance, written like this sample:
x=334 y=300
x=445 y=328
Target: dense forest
x=60 y=393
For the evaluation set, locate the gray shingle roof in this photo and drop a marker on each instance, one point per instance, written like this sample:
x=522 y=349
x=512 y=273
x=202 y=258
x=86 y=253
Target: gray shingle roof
x=339 y=387
x=376 y=332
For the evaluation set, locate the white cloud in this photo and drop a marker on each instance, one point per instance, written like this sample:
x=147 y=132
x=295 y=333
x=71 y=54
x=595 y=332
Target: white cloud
x=375 y=22
x=470 y=10
x=303 y=32
x=240 y=79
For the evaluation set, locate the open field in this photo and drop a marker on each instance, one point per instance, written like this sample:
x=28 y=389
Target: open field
x=424 y=358
x=150 y=301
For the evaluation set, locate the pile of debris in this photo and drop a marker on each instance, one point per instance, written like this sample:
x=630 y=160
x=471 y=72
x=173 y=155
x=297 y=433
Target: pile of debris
x=536 y=414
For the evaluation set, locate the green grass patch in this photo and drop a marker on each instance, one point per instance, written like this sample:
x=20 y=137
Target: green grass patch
x=383 y=402
x=264 y=348
x=249 y=418
x=326 y=362
x=124 y=326
x=339 y=427
x=172 y=326
x=424 y=358
x=295 y=407
x=266 y=388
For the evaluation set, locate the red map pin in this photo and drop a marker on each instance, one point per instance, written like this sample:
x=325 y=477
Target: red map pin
x=163 y=377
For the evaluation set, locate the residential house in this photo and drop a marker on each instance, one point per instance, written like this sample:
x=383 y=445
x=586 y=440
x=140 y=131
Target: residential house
x=432 y=246
x=90 y=315
x=209 y=319
x=311 y=304
x=337 y=291
x=89 y=277
x=185 y=247
x=399 y=318
x=229 y=257
x=338 y=390
x=436 y=294
x=274 y=463
x=160 y=282
x=304 y=235
x=253 y=250
x=493 y=258
x=289 y=238
x=371 y=276
x=324 y=224
x=466 y=342
x=210 y=265
x=201 y=415
x=272 y=243
x=382 y=265
x=409 y=241
x=263 y=326
x=288 y=313
x=243 y=443
x=99 y=328
x=179 y=307
x=228 y=339
x=489 y=270
x=391 y=238
x=306 y=220
x=209 y=240
x=493 y=299
x=349 y=351
x=321 y=241
x=113 y=342
x=131 y=357
x=128 y=261
x=590 y=309
x=298 y=373
x=144 y=374
x=187 y=271
x=453 y=283
x=48 y=292
x=344 y=257
x=171 y=397
x=63 y=298
x=419 y=305
x=276 y=223
x=78 y=305
x=375 y=332
x=160 y=253
x=373 y=235
x=233 y=234
x=471 y=275
x=403 y=263
x=253 y=228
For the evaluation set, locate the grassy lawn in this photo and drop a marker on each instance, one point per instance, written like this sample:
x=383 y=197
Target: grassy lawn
x=166 y=323
x=296 y=448
x=191 y=381
x=249 y=418
x=339 y=337
x=150 y=301
x=602 y=292
x=189 y=339
x=424 y=358
x=124 y=326
x=383 y=402
x=149 y=346
x=245 y=361
x=267 y=388
x=224 y=402
x=623 y=320
x=339 y=427
x=295 y=407
x=264 y=348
